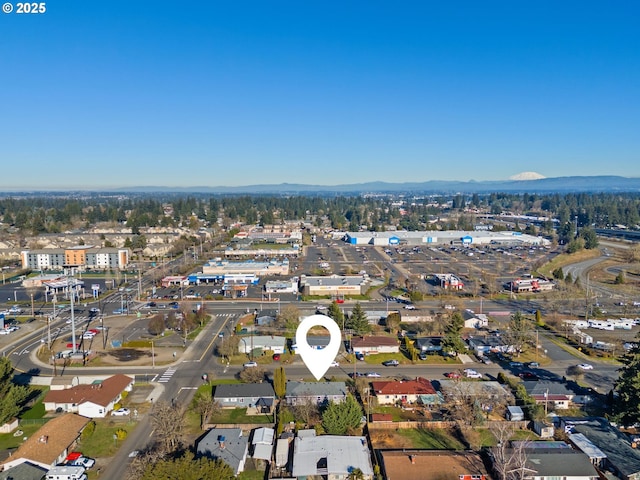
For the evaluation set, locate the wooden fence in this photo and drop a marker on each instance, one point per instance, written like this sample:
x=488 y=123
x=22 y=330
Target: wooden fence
x=431 y=425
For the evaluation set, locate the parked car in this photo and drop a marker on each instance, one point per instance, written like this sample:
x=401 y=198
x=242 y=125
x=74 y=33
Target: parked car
x=516 y=364
x=250 y=364
x=470 y=373
x=334 y=364
x=276 y=356
x=585 y=366
x=85 y=462
x=121 y=412
x=452 y=375
x=534 y=365
x=391 y=363
x=373 y=375
x=528 y=376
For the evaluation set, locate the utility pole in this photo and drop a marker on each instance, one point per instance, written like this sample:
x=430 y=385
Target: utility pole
x=73 y=321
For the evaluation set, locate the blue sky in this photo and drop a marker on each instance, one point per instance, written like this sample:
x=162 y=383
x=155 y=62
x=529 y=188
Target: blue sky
x=121 y=93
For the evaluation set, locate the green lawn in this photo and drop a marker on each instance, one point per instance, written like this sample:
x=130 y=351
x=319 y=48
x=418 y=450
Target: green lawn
x=239 y=415
x=7 y=440
x=251 y=475
x=397 y=414
x=434 y=439
x=101 y=442
x=37 y=409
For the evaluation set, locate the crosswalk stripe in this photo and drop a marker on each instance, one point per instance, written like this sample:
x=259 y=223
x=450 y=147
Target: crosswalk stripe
x=166 y=376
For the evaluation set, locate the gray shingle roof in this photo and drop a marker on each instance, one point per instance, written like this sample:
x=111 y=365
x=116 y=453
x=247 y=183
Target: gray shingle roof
x=315 y=389
x=227 y=444
x=244 y=390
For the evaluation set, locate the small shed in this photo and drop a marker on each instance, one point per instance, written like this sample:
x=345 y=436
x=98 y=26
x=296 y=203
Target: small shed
x=543 y=429
x=514 y=413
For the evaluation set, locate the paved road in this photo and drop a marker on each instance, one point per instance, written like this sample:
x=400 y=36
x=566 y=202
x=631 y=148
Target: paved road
x=180 y=380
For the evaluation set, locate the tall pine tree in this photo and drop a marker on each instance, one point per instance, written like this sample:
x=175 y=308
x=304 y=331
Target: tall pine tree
x=626 y=407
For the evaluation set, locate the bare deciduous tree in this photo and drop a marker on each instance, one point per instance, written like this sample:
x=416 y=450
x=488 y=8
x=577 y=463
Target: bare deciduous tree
x=307 y=412
x=289 y=317
x=168 y=421
x=252 y=375
x=206 y=407
x=509 y=461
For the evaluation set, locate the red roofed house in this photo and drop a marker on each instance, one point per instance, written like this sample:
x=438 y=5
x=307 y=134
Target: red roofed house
x=406 y=391
x=375 y=344
x=93 y=401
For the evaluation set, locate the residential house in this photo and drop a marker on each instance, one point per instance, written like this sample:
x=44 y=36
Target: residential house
x=95 y=400
x=330 y=456
x=320 y=393
x=24 y=471
x=490 y=393
x=226 y=444
x=255 y=397
x=481 y=345
x=375 y=344
x=262 y=443
x=566 y=463
x=621 y=458
x=474 y=320
x=428 y=344
x=553 y=395
x=262 y=343
x=52 y=442
x=408 y=464
x=405 y=392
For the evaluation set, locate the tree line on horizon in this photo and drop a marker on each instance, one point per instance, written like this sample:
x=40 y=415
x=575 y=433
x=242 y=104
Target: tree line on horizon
x=41 y=214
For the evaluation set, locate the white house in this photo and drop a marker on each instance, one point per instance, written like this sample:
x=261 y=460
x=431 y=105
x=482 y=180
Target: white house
x=247 y=344
x=375 y=344
x=95 y=400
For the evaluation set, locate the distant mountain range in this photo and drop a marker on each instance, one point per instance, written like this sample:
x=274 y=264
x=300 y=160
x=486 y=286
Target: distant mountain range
x=608 y=183
x=517 y=184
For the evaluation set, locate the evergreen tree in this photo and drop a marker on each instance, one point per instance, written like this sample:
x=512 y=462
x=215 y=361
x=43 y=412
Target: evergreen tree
x=335 y=312
x=452 y=341
x=357 y=321
x=589 y=236
x=626 y=405
x=12 y=396
x=339 y=418
x=186 y=467
x=280 y=382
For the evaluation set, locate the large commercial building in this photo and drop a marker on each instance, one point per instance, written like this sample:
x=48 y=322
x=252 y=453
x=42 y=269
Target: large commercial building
x=445 y=237
x=220 y=269
x=80 y=257
x=338 y=285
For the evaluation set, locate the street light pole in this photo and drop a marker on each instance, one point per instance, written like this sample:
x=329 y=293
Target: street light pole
x=73 y=322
